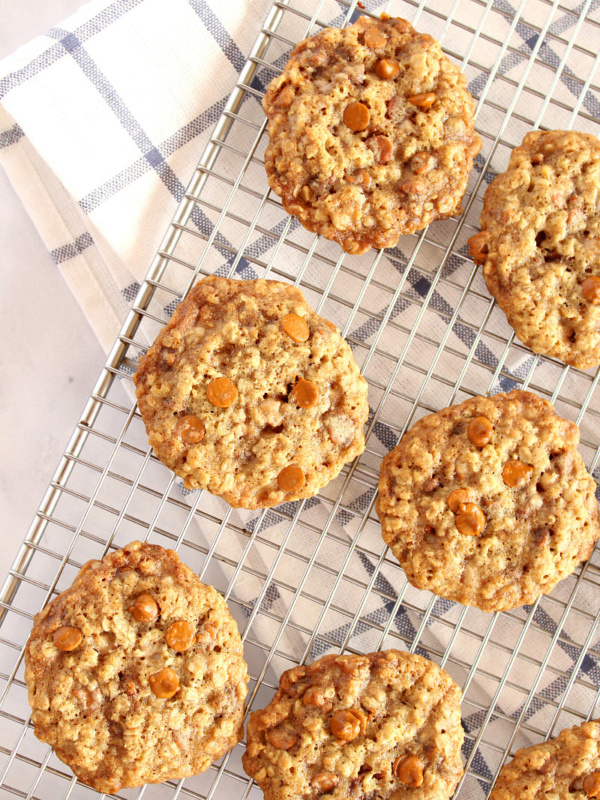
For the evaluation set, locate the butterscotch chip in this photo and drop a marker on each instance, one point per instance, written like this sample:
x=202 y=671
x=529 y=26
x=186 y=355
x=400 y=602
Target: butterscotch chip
x=314 y=696
x=191 y=429
x=565 y=767
x=165 y=683
x=410 y=771
x=362 y=719
x=339 y=90
x=480 y=431
x=181 y=635
x=539 y=241
x=296 y=327
x=466 y=526
x=478 y=247
x=291 y=479
x=386 y=707
x=456 y=499
x=145 y=608
x=221 y=392
x=424 y=101
x=305 y=393
x=470 y=520
x=282 y=739
x=356 y=116
x=422 y=163
x=387 y=68
x=515 y=473
x=108 y=706
x=591 y=784
x=207 y=634
x=324 y=782
x=382 y=147
x=67 y=638
x=298 y=397
x=374 y=36
x=345 y=725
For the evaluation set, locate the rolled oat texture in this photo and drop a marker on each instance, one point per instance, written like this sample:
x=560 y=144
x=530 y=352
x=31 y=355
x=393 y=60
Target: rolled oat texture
x=488 y=502
x=540 y=244
x=384 y=725
x=248 y=393
x=370 y=133
x=565 y=768
x=136 y=673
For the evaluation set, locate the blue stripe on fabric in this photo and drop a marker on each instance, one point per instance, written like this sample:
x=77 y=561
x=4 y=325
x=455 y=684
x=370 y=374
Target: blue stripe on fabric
x=214 y=26
x=551 y=59
x=56 y=52
x=134 y=171
x=194 y=128
x=11 y=136
x=46 y=59
x=205 y=226
x=110 y=187
x=130 y=292
x=90 y=69
x=438 y=303
x=106 y=17
x=68 y=251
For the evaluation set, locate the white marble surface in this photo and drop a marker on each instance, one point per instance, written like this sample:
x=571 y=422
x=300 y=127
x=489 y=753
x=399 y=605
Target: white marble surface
x=50 y=358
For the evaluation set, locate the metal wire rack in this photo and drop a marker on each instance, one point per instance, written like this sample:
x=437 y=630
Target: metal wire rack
x=306 y=578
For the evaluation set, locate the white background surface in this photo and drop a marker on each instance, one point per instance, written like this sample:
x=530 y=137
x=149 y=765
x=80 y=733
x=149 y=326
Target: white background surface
x=49 y=357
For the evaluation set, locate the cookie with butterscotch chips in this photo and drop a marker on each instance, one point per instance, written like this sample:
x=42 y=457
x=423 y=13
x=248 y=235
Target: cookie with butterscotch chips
x=383 y=725
x=371 y=133
x=540 y=244
x=247 y=392
x=488 y=502
x=564 y=768
x=136 y=672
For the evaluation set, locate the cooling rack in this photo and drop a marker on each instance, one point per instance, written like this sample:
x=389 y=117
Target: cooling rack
x=307 y=578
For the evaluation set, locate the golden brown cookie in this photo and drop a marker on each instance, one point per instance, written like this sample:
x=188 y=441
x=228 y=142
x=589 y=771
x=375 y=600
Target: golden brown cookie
x=384 y=725
x=136 y=673
x=488 y=502
x=566 y=768
x=250 y=394
x=540 y=244
x=370 y=133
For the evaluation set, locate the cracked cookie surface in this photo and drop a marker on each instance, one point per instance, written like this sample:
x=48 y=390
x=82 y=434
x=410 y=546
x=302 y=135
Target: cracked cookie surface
x=370 y=133
x=540 y=244
x=383 y=725
x=136 y=672
x=247 y=392
x=488 y=502
x=565 y=768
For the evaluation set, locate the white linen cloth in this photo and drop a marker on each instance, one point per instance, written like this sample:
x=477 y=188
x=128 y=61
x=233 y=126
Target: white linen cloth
x=102 y=121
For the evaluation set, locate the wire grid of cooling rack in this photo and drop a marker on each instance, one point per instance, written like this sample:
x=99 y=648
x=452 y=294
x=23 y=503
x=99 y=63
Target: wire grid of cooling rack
x=307 y=578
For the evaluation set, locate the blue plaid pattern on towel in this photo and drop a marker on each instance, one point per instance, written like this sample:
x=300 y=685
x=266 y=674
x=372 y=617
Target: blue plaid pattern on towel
x=106 y=117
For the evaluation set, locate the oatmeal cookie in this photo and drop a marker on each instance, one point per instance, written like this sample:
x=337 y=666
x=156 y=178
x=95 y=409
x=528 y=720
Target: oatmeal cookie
x=540 y=244
x=250 y=394
x=383 y=725
x=370 y=133
x=136 y=673
x=488 y=502
x=566 y=768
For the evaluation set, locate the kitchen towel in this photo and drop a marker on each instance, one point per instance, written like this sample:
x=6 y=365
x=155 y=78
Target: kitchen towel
x=102 y=121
